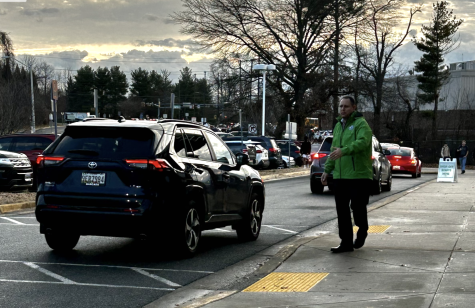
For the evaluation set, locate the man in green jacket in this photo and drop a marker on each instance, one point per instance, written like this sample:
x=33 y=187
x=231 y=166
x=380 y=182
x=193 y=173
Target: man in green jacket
x=351 y=164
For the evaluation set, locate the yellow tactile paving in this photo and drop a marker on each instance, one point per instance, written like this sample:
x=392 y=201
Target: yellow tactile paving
x=374 y=229
x=287 y=282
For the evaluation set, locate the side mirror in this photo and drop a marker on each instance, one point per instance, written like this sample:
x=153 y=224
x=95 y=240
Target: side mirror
x=242 y=159
x=386 y=152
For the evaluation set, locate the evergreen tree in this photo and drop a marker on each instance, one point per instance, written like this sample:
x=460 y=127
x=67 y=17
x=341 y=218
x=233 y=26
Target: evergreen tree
x=81 y=91
x=438 y=40
x=116 y=90
x=102 y=79
x=140 y=86
x=185 y=88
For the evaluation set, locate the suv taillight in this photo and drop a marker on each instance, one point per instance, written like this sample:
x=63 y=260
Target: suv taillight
x=319 y=155
x=47 y=160
x=272 y=150
x=153 y=164
x=258 y=151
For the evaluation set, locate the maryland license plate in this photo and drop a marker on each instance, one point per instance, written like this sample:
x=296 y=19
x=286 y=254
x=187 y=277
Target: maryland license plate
x=396 y=167
x=93 y=179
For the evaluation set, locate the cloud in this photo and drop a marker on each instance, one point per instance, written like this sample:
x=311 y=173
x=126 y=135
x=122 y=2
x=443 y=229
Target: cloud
x=49 y=10
x=3 y=12
x=38 y=14
x=152 y=17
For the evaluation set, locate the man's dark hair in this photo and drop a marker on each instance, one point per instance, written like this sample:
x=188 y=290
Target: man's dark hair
x=352 y=100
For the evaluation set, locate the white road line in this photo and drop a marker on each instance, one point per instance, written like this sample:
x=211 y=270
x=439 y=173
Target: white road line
x=8 y=224
x=112 y=266
x=86 y=284
x=49 y=273
x=13 y=220
x=21 y=217
x=290 y=231
x=161 y=279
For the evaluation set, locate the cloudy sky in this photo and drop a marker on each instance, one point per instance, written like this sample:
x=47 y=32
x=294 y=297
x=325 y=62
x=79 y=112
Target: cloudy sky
x=139 y=33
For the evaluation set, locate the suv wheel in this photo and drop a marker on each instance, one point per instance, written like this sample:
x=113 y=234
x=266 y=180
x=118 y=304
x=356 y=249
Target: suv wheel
x=65 y=241
x=377 y=184
x=189 y=241
x=250 y=227
x=316 y=187
x=388 y=185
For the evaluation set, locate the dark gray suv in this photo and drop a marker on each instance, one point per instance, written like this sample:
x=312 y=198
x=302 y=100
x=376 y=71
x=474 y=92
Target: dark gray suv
x=166 y=180
x=382 y=176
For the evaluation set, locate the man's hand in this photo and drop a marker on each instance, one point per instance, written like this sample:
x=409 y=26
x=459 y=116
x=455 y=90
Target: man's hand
x=324 y=178
x=335 y=154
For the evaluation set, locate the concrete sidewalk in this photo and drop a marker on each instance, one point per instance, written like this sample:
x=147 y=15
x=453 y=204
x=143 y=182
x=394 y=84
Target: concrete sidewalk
x=422 y=254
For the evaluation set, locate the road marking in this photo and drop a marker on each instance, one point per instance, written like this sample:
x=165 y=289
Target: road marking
x=219 y=229
x=87 y=284
x=112 y=266
x=161 y=279
x=8 y=224
x=21 y=217
x=290 y=231
x=49 y=273
x=12 y=220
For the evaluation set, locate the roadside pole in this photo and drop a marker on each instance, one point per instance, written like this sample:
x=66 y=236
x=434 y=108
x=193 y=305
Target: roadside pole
x=54 y=94
x=240 y=125
x=172 y=103
x=290 y=137
x=96 y=104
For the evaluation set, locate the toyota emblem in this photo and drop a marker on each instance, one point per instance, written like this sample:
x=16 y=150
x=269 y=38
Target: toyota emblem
x=92 y=165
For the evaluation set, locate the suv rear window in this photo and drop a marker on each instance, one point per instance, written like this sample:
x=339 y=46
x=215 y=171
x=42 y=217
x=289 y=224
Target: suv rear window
x=401 y=152
x=326 y=145
x=106 y=142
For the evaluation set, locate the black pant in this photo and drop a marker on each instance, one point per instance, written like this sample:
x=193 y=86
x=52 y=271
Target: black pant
x=354 y=193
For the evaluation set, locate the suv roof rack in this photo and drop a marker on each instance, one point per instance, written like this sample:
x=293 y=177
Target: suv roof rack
x=176 y=120
x=94 y=119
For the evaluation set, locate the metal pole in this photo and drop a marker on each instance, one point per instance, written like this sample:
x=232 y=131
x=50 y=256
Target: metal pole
x=55 y=119
x=264 y=103
x=96 y=104
x=158 y=117
x=172 y=102
x=240 y=125
x=290 y=132
x=32 y=102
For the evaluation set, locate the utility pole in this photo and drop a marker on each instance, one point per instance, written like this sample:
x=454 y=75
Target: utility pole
x=218 y=101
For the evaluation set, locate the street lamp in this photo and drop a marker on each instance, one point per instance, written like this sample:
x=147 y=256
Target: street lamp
x=32 y=92
x=264 y=68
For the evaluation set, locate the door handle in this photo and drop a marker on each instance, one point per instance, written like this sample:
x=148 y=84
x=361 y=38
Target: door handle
x=226 y=176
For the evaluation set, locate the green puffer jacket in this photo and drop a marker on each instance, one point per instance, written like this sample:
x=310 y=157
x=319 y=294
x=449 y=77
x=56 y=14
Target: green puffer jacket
x=355 y=143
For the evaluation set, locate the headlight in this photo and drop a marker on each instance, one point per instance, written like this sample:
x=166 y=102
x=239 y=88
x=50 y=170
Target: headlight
x=4 y=160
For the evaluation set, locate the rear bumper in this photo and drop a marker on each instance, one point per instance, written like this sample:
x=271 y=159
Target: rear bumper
x=92 y=220
x=404 y=170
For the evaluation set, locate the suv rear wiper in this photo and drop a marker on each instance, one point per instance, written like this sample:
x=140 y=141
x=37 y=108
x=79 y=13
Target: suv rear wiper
x=85 y=152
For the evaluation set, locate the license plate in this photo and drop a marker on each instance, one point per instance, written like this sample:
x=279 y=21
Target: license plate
x=397 y=167
x=93 y=179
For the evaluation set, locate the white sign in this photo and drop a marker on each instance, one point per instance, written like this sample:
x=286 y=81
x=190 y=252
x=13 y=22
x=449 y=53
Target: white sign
x=447 y=170
x=193 y=119
x=165 y=115
x=252 y=129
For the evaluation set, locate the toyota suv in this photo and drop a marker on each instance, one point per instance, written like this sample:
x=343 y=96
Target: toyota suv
x=382 y=176
x=167 y=180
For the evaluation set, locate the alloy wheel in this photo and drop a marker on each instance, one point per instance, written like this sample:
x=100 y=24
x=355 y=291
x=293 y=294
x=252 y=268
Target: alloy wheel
x=255 y=217
x=193 y=230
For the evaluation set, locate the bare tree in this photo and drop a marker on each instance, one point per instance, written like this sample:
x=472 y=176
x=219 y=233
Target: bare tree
x=295 y=35
x=376 y=41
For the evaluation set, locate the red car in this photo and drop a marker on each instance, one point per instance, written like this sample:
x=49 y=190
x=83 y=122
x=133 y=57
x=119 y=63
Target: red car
x=404 y=161
x=30 y=144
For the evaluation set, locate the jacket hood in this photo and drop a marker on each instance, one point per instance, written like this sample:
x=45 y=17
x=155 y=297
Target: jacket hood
x=354 y=115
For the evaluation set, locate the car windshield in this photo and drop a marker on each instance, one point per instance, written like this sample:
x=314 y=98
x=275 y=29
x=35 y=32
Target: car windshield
x=400 y=152
x=105 y=142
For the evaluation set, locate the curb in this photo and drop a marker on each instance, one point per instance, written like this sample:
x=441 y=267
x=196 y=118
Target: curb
x=285 y=175
x=7 y=208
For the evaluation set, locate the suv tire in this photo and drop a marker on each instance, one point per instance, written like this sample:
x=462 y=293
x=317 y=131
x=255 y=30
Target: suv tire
x=316 y=187
x=377 y=187
x=389 y=184
x=250 y=227
x=62 y=242
x=187 y=242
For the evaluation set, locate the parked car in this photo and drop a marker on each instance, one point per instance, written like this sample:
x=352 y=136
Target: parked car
x=389 y=145
x=294 y=150
x=288 y=161
x=30 y=144
x=275 y=154
x=382 y=176
x=15 y=170
x=258 y=155
x=167 y=181
x=404 y=161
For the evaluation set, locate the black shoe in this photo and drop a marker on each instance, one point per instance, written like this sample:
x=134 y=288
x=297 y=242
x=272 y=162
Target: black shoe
x=463 y=171
x=341 y=248
x=359 y=242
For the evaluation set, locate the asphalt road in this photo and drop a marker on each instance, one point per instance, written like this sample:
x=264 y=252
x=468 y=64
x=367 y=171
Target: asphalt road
x=117 y=272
